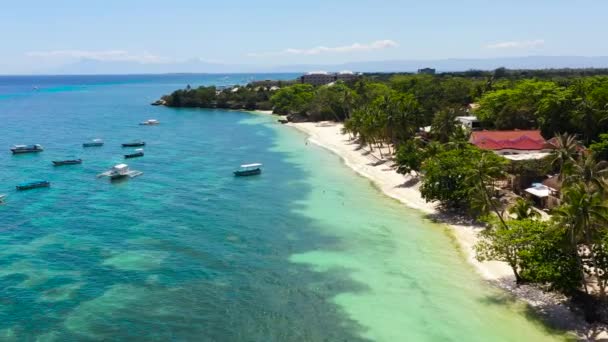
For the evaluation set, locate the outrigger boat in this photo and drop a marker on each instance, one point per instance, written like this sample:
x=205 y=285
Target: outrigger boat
x=120 y=171
x=249 y=170
x=93 y=143
x=138 y=153
x=150 y=122
x=136 y=143
x=17 y=149
x=33 y=185
x=67 y=162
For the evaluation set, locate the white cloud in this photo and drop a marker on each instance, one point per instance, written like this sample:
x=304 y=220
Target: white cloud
x=101 y=55
x=523 y=44
x=356 y=47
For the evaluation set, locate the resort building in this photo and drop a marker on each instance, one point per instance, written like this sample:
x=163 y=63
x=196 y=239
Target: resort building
x=319 y=78
x=346 y=76
x=426 y=71
x=470 y=122
x=514 y=145
x=546 y=195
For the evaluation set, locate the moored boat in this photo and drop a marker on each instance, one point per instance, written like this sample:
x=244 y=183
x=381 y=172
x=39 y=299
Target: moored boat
x=93 y=143
x=138 y=153
x=150 y=122
x=17 y=149
x=249 y=170
x=2 y=198
x=33 y=185
x=120 y=171
x=67 y=162
x=135 y=143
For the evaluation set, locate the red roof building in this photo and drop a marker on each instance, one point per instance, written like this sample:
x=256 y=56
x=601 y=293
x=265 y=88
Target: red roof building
x=511 y=142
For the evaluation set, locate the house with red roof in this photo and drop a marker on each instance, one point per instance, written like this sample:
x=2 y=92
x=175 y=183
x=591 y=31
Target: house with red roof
x=514 y=145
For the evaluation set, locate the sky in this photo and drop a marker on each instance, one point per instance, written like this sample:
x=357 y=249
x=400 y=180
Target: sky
x=41 y=35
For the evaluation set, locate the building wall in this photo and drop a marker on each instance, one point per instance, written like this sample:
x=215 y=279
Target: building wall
x=508 y=151
x=322 y=79
x=318 y=79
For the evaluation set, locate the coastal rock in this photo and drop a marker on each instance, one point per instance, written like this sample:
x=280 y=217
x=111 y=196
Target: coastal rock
x=297 y=118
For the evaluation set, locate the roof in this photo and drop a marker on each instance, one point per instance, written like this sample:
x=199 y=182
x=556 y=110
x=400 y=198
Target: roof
x=539 y=190
x=251 y=165
x=467 y=118
x=527 y=156
x=317 y=73
x=513 y=140
x=121 y=166
x=553 y=182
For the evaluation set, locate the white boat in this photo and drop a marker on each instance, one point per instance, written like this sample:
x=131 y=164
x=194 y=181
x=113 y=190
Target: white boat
x=17 y=149
x=120 y=171
x=249 y=170
x=150 y=122
x=2 y=197
x=93 y=143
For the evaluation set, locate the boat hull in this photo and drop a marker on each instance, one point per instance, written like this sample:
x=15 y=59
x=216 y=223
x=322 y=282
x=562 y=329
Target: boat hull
x=117 y=177
x=246 y=173
x=67 y=162
x=18 y=151
x=134 y=144
x=92 y=144
x=33 y=186
x=134 y=155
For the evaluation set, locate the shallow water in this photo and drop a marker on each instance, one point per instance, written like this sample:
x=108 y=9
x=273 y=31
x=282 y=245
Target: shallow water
x=308 y=251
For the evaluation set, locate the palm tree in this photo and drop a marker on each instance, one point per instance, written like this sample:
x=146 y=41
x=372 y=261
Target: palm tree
x=482 y=178
x=566 y=149
x=445 y=124
x=589 y=171
x=583 y=214
x=523 y=209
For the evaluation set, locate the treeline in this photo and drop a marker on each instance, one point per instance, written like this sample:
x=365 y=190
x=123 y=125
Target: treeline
x=413 y=118
x=566 y=253
x=250 y=97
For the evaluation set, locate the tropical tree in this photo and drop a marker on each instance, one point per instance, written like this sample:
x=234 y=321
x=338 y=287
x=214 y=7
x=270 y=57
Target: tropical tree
x=445 y=125
x=590 y=172
x=410 y=156
x=453 y=176
x=583 y=215
x=565 y=152
x=523 y=209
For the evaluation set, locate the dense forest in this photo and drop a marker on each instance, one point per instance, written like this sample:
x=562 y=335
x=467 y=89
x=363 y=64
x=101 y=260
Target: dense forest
x=566 y=251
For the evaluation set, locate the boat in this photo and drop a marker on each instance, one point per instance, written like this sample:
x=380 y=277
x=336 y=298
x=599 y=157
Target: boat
x=150 y=122
x=33 y=185
x=136 y=143
x=120 y=171
x=17 y=149
x=2 y=198
x=249 y=170
x=93 y=143
x=138 y=153
x=67 y=162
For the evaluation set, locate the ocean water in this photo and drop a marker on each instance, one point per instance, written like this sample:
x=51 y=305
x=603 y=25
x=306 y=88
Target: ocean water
x=308 y=251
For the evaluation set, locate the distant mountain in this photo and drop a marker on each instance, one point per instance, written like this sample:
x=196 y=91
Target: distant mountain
x=454 y=64
x=87 y=66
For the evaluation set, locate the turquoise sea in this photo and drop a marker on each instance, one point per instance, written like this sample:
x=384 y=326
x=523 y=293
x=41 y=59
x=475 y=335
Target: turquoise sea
x=308 y=251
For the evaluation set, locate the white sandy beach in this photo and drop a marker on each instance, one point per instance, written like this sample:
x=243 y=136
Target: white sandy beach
x=550 y=305
x=329 y=135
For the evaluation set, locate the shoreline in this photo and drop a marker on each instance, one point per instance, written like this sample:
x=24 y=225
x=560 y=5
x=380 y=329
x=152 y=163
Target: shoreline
x=551 y=307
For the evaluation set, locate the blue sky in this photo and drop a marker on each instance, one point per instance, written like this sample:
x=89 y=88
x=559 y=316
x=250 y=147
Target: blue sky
x=41 y=34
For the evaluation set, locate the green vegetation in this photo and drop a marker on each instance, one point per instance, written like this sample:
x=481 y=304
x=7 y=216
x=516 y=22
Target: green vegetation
x=393 y=113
